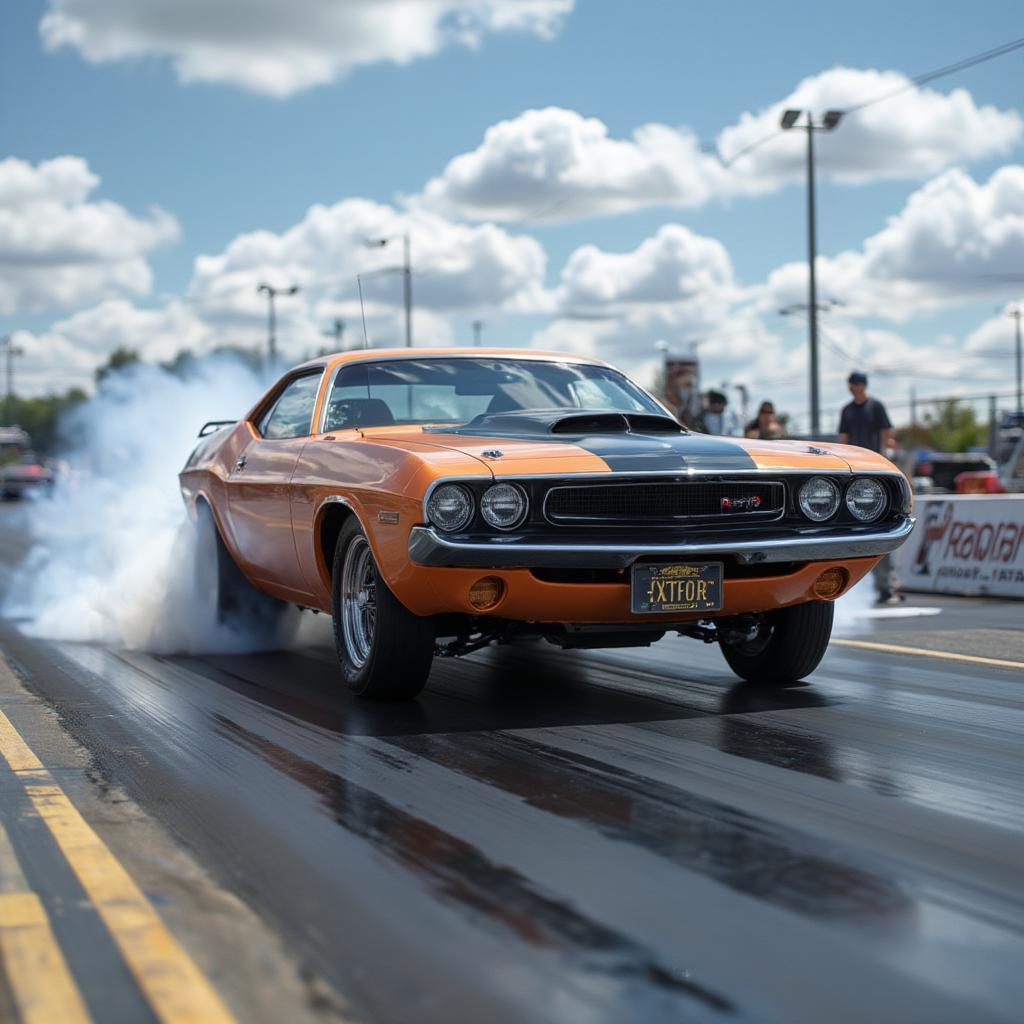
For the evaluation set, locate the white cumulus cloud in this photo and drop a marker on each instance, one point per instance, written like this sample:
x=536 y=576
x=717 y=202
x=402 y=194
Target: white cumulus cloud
x=674 y=265
x=455 y=266
x=59 y=248
x=555 y=164
x=279 y=49
x=913 y=134
x=955 y=239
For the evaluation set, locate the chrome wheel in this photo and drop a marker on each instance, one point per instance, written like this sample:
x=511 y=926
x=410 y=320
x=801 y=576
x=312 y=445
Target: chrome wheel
x=359 y=600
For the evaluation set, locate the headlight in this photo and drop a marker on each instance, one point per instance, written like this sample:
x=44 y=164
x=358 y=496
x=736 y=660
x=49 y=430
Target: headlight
x=504 y=506
x=818 y=499
x=450 y=507
x=865 y=498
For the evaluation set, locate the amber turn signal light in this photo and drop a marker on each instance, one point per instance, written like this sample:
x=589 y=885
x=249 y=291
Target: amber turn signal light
x=486 y=592
x=831 y=583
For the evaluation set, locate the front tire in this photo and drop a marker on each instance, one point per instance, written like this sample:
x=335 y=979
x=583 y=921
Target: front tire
x=789 y=645
x=385 y=651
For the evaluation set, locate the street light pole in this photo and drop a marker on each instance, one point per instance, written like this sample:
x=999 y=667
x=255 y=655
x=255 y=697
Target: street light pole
x=812 y=283
x=406 y=269
x=828 y=123
x=478 y=326
x=407 y=289
x=10 y=350
x=336 y=331
x=1016 y=312
x=272 y=293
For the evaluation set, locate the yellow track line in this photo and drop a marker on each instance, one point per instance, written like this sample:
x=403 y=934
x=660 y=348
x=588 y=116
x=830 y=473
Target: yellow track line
x=176 y=989
x=924 y=652
x=40 y=981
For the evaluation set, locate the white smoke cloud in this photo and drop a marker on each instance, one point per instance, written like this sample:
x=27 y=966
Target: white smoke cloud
x=112 y=551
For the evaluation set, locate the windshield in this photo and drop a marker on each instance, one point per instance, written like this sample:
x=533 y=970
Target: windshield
x=420 y=391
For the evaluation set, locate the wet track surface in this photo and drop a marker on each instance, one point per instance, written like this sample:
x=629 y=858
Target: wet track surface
x=596 y=836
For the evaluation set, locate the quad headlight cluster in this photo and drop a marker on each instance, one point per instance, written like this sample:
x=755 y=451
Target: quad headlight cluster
x=503 y=506
x=819 y=499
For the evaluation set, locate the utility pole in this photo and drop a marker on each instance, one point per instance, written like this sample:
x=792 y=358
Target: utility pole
x=1016 y=312
x=478 y=326
x=10 y=350
x=406 y=270
x=828 y=123
x=993 y=425
x=407 y=290
x=272 y=293
x=336 y=330
x=913 y=408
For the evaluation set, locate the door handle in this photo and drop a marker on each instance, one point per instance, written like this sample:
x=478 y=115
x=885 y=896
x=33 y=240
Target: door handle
x=242 y=459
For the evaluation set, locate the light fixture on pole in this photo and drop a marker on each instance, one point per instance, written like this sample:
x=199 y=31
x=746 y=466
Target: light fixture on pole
x=406 y=270
x=272 y=293
x=790 y=120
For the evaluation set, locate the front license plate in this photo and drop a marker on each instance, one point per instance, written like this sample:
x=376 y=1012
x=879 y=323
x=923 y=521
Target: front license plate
x=675 y=587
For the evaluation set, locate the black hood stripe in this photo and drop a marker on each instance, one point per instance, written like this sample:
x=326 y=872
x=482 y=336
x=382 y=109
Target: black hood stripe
x=644 y=453
x=637 y=453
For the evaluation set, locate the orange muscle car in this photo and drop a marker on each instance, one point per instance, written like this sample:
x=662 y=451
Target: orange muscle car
x=434 y=501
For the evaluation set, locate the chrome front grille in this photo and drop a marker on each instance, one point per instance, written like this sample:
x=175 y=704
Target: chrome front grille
x=664 y=502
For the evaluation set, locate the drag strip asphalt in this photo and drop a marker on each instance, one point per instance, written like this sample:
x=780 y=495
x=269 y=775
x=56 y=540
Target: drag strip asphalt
x=583 y=836
x=592 y=836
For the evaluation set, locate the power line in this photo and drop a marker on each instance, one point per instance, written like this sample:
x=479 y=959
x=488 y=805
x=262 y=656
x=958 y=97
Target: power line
x=914 y=83
x=943 y=72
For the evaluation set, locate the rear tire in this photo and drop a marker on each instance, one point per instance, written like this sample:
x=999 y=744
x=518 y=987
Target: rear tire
x=789 y=646
x=385 y=651
x=230 y=598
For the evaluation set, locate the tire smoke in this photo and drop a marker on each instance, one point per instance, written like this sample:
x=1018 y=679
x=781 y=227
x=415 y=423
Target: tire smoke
x=112 y=551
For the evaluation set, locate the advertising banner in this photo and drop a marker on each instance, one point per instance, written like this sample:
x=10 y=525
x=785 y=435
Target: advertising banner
x=970 y=545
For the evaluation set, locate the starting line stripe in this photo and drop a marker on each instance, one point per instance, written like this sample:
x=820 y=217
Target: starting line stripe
x=924 y=652
x=176 y=989
x=36 y=970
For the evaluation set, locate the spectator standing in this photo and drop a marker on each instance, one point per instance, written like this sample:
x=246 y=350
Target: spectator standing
x=765 y=426
x=865 y=423
x=718 y=418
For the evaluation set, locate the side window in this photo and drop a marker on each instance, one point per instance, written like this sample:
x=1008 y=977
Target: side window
x=292 y=414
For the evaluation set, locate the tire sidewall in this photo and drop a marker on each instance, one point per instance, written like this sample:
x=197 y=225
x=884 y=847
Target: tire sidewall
x=356 y=676
x=799 y=639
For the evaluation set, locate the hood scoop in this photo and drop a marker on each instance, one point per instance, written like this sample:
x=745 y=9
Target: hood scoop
x=615 y=423
x=582 y=423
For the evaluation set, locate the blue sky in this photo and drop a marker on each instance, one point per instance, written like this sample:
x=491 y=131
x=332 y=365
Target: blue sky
x=225 y=160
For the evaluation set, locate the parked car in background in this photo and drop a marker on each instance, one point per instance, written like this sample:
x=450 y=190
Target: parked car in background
x=22 y=471
x=29 y=474
x=937 y=472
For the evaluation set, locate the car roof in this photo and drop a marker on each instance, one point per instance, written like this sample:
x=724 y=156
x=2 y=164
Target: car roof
x=461 y=352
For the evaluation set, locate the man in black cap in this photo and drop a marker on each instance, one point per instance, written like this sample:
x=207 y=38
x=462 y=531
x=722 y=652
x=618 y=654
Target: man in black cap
x=865 y=423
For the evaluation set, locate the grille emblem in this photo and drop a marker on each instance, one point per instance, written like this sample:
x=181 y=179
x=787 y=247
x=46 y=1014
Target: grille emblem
x=741 y=504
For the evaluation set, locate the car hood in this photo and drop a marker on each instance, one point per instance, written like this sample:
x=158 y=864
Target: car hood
x=511 y=454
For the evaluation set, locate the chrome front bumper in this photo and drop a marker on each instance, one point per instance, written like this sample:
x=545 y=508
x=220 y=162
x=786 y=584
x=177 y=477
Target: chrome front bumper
x=429 y=547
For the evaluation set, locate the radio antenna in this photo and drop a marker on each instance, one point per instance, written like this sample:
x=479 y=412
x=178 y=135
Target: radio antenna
x=362 y=309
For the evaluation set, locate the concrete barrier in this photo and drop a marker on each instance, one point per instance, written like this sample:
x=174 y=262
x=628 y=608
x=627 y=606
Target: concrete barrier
x=965 y=544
